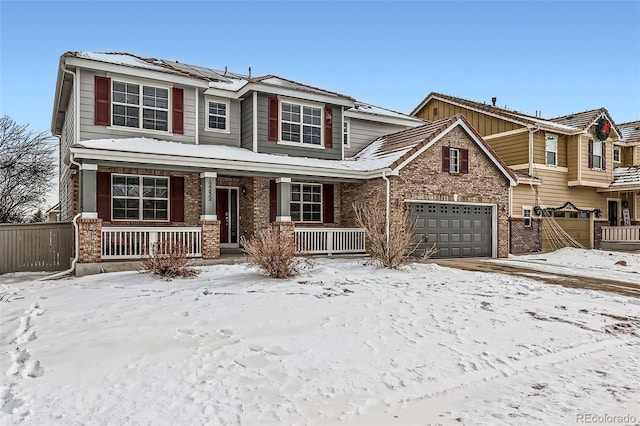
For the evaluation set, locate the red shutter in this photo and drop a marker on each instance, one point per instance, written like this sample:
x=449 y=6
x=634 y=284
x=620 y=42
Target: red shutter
x=445 y=159
x=273 y=119
x=328 y=128
x=604 y=156
x=273 y=201
x=178 y=110
x=102 y=109
x=176 y=197
x=327 y=203
x=590 y=154
x=103 y=199
x=464 y=166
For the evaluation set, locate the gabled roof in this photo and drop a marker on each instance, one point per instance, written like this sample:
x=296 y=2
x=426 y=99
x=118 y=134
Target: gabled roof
x=505 y=114
x=584 y=120
x=372 y=112
x=412 y=142
x=630 y=132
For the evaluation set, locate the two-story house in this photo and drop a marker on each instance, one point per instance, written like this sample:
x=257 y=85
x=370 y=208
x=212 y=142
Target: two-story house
x=153 y=150
x=570 y=180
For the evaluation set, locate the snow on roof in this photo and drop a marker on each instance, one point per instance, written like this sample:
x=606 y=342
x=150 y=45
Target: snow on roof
x=119 y=59
x=625 y=176
x=361 y=107
x=232 y=84
x=365 y=161
x=630 y=132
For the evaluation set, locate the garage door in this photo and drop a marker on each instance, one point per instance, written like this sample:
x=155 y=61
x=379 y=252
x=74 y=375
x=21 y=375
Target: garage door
x=458 y=230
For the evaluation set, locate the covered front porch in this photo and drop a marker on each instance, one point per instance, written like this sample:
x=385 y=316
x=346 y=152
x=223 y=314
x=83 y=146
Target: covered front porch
x=623 y=211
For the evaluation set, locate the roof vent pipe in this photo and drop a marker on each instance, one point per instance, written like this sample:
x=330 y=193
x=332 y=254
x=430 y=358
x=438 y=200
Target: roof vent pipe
x=494 y=100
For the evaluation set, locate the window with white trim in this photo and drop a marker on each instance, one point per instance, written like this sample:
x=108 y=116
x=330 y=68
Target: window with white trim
x=597 y=154
x=345 y=133
x=301 y=123
x=551 y=150
x=616 y=154
x=306 y=202
x=140 y=106
x=217 y=115
x=139 y=197
x=454 y=160
x=526 y=213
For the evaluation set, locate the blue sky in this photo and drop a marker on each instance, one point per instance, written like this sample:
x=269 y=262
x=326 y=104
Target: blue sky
x=557 y=57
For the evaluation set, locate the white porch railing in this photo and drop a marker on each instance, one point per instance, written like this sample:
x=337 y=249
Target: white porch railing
x=621 y=233
x=132 y=243
x=330 y=240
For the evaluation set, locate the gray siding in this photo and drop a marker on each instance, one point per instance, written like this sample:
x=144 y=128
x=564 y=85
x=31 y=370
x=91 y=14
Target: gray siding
x=65 y=184
x=208 y=137
x=247 y=122
x=270 y=147
x=88 y=130
x=363 y=132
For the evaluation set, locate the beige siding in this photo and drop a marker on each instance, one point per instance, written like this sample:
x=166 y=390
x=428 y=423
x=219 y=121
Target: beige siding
x=597 y=177
x=579 y=229
x=512 y=149
x=573 y=162
x=483 y=123
x=88 y=130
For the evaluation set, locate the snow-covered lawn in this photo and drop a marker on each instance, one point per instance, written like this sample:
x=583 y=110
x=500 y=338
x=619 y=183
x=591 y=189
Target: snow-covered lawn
x=343 y=343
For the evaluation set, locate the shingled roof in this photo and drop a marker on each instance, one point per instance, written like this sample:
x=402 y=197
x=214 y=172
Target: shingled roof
x=630 y=131
x=626 y=176
x=585 y=119
x=507 y=114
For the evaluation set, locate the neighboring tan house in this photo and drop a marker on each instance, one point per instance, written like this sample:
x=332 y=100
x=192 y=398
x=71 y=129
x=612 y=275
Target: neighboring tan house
x=154 y=150
x=568 y=168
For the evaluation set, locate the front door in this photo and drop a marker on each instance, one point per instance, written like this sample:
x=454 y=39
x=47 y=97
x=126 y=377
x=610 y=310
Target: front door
x=227 y=211
x=613 y=213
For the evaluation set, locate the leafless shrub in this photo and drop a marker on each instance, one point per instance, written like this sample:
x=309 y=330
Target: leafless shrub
x=398 y=247
x=169 y=260
x=274 y=254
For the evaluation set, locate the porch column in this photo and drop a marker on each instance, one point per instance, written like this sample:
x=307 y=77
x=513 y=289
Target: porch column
x=283 y=191
x=208 y=196
x=209 y=223
x=88 y=191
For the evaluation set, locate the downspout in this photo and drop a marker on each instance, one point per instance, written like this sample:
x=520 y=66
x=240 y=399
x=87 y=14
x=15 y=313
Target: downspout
x=387 y=225
x=76 y=136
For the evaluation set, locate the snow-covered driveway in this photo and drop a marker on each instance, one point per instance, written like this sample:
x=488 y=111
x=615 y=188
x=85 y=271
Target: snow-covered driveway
x=343 y=343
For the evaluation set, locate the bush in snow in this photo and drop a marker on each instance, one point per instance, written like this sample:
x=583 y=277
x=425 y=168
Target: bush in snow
x=275 y=255
x=168 y=261
x=399 y=246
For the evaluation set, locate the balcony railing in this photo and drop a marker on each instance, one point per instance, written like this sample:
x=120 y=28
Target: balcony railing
x=621 y=233
x=330 y=240
x=132 y=243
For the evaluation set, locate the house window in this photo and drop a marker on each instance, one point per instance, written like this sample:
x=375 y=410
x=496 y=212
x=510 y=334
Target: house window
x=140 y=197
x=454 y=160
x=597 y=154
x=139 y=106
x=435 y=112
x=616 y=154
x=527 y=217
x=551 y=150
x=217 y=115
x=306 y=202
x=345 y=133
x=301 y=123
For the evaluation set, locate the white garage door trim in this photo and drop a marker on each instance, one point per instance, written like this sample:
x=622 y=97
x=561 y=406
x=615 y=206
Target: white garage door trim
x=494 y=218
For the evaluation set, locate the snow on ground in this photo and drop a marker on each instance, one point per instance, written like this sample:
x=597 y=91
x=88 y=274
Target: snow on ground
x=583 y=263
x=343 y=343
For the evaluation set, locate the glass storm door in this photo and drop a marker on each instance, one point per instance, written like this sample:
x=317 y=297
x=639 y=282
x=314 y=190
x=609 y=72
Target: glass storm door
x=227 y=211
x=613 y=213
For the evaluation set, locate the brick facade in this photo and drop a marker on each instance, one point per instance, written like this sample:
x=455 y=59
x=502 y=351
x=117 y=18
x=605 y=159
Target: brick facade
x=90 y=238
x=210 y=239
x=285 y=230
x=597 y=232
x=525 y=239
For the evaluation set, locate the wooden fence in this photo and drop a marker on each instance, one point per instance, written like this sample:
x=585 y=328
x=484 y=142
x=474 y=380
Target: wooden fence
x=36 y=247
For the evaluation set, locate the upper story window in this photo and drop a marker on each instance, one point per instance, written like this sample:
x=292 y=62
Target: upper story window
x=306 y=202
x=596 y=155
x=218 y=115
x=301 y=123
x=616 y=154
x=454 y=160
x=140 y=197
x=345 y=133
x=140 y=106
x=551 y=150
